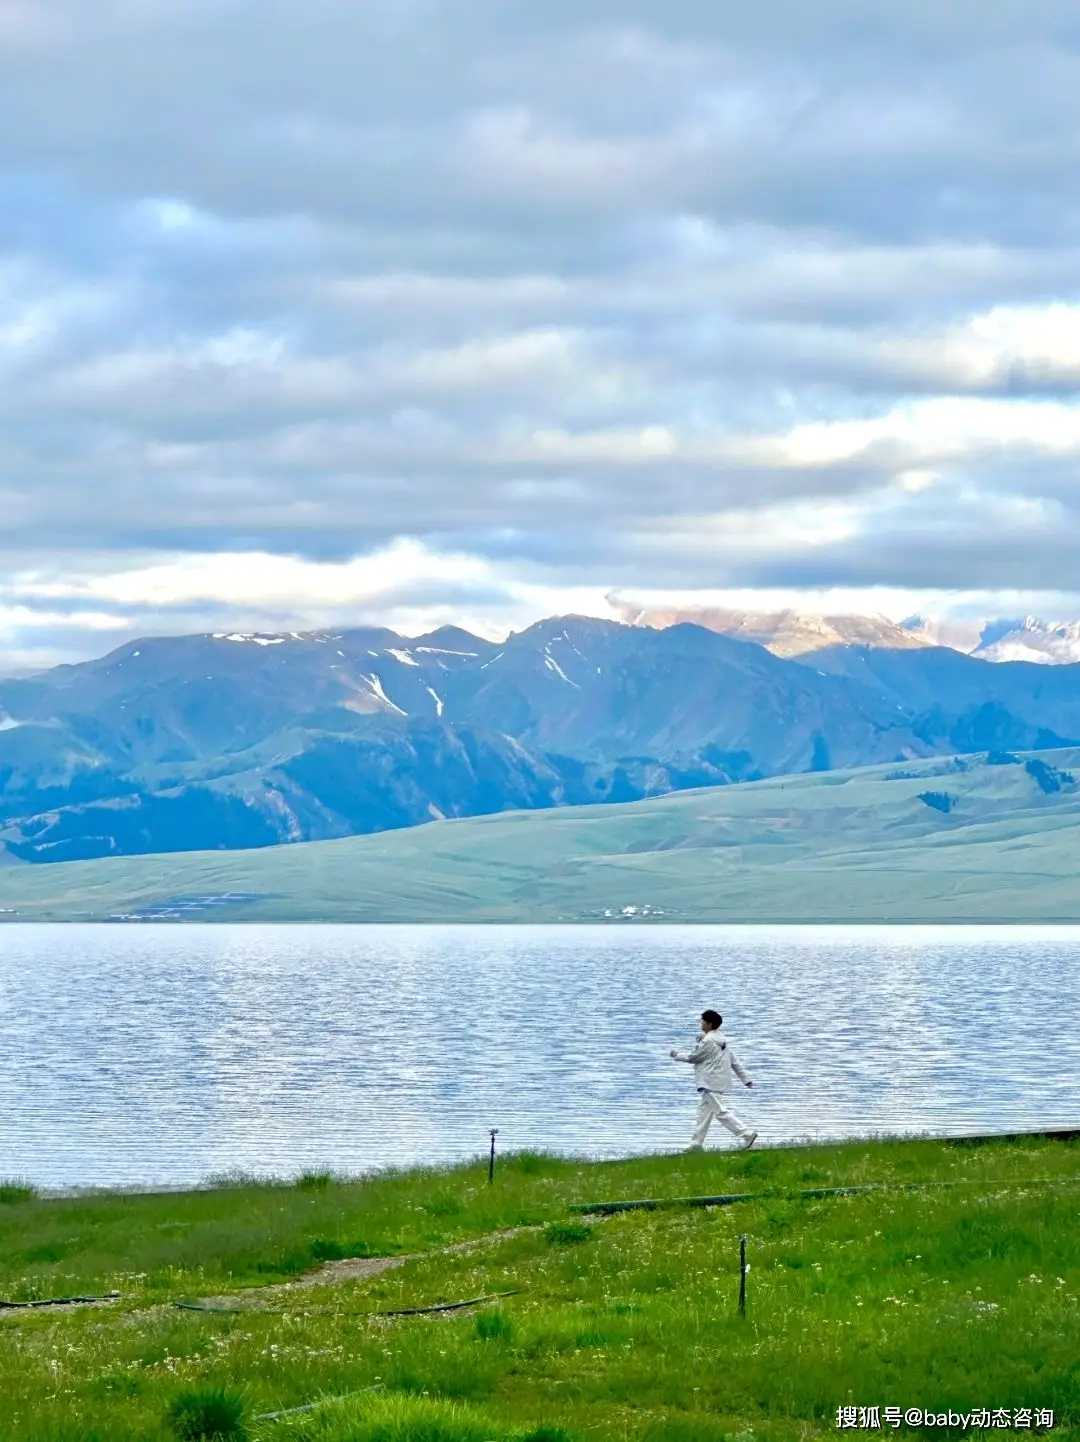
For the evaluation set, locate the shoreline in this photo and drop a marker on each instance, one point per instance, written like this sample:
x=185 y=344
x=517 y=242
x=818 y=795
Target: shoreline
x=171 y=1189
x=928 y=923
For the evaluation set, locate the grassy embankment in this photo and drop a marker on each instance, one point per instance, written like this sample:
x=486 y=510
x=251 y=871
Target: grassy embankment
x=833 y=846
x=949 y=1297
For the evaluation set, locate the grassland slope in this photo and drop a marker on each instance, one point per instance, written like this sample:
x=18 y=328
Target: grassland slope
x=954 y=1286
x=985 y=838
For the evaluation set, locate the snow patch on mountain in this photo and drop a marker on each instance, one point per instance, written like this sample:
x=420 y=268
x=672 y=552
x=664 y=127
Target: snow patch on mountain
x=553 y=665
x=570 y=643
x=377 y=687
x=1016 y=651
x=402 y=656
x=439 y=703
x=251 y=637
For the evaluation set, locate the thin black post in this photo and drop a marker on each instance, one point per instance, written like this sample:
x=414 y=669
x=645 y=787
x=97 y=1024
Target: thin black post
x=491 y=1162
x=742 y=1276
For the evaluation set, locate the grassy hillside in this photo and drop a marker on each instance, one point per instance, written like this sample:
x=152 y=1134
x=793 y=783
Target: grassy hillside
x=993 y=839
x=954 y=1285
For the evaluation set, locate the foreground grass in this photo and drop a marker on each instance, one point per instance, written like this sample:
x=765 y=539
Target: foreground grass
x=954 y=1297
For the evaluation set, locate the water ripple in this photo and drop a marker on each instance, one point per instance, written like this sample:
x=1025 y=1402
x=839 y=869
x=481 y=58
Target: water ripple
x=158 y=1054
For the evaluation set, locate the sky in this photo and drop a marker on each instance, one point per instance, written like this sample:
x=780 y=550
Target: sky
x=315 y=313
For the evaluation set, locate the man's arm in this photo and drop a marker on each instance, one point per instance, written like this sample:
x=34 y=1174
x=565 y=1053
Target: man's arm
x=737 y=1068
x=698 y=1054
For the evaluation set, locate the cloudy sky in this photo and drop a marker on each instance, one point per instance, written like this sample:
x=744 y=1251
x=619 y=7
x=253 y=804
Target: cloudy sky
x=314 y=311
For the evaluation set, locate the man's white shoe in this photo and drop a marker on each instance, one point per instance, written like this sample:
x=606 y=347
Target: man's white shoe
x=750 y=1140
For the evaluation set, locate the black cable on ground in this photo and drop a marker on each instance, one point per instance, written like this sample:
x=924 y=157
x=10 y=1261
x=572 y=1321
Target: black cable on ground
x=60 y=1301
x=651 y=1204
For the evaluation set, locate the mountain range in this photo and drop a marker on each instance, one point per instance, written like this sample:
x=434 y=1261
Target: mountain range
x=238 y=739
x=795 y=633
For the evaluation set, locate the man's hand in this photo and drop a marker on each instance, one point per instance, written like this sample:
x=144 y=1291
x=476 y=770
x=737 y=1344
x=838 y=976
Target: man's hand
x=674 y=1055
x=749 y=1084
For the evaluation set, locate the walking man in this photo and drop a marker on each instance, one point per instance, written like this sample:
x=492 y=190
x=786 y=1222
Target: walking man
x=713 y=1062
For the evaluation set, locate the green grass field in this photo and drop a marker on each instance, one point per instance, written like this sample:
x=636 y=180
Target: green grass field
x=953 y=1297
x=832 y=846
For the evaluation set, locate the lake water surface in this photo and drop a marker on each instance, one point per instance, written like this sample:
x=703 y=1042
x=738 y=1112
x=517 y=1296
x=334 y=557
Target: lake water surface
x=162 y=1053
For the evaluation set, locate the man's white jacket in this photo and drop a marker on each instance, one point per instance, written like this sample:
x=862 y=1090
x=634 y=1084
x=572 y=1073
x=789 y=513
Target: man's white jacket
x=713 y=1062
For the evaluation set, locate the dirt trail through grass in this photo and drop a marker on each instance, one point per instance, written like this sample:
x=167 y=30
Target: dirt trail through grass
x=357 y=1269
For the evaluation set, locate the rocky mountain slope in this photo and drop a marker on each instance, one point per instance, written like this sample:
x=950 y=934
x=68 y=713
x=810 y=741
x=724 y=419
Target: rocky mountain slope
x=785 y=633
x=797 y=634
x=240 y=740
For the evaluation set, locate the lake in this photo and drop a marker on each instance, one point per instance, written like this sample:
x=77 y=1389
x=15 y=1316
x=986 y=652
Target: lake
x=160 y=1054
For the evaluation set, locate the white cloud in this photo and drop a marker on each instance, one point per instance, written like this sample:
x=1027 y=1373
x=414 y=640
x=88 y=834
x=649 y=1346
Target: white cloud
x=568 y=295
x=48 y=617
x=645 y=444
x=996 y=346
x=61 y=612
x=940 y=429
x=270 y=582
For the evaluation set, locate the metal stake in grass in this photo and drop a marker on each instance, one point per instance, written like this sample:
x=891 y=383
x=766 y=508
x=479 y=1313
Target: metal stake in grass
x=743 y=1269
x=491 y=1161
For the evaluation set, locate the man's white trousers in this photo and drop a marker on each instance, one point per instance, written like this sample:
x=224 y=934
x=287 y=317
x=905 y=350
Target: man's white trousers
x=714 y=1104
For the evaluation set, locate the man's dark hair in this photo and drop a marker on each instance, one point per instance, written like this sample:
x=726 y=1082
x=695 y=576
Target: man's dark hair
x=712 y=1017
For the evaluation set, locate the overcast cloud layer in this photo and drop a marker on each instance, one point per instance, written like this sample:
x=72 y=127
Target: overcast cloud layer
x=414 y=311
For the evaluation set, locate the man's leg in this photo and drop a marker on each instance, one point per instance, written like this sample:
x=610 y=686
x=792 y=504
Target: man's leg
x=723 y=1113
x=705 y=1113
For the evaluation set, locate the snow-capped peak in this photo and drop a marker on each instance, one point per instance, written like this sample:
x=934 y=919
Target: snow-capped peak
x=796 y=635
x=791 y=634
x=1048 y=643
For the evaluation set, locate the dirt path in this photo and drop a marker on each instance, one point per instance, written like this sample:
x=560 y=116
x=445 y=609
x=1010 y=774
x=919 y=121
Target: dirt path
x=330 y=1274
x=357 y=1269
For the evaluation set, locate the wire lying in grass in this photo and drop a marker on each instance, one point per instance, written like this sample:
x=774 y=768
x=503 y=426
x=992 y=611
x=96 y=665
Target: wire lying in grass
x=447 y=1306
x=336 y=1312
x=651 y=1204
x=311 y=1406
x=61 y=1301
x=226 y=1311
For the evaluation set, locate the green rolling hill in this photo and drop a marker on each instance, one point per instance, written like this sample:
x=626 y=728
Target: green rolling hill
x=991 y=838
